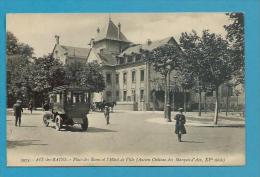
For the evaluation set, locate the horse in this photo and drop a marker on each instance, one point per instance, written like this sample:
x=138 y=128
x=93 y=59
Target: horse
x=111 y=105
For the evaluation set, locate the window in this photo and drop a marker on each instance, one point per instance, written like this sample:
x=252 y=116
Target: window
x=122 y=61
x=138 y=57
x=133 y=76
x=108 y=96
x=125 y=78
x=117 y=95
x=108 y=77
x=142 y=75
x=133 y=96
x=141 y=95
x=129 y=59
x=117 y=78
x=124 y=96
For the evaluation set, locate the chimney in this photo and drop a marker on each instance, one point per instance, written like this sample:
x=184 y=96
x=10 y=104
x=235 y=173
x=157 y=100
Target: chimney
x=118 y=36
x=149 y=42
x=91 y=43
x=57 y=39
x=98 y=30
x=119 y=31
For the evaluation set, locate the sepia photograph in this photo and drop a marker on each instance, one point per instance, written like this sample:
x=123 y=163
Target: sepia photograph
x=125 y=89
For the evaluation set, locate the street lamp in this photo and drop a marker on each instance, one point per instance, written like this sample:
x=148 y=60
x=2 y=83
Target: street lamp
x=168 y=103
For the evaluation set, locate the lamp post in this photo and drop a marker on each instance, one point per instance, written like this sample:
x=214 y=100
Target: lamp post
x=168 y=105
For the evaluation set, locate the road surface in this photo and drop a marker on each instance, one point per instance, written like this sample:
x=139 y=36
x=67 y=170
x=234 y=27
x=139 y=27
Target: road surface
x=130 y=134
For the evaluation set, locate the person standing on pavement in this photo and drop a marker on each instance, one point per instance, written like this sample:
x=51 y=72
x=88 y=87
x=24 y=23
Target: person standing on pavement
x=30 y=106
x=106 y=113
x=179 y=125
x=18 y=112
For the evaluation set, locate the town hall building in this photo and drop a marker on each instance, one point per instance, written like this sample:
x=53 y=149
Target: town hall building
x=130 y=81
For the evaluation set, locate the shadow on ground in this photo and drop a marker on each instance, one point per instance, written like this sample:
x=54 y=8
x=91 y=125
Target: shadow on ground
x=89 y=130
x=27 y=126
x=14 y=144
x=191 y=141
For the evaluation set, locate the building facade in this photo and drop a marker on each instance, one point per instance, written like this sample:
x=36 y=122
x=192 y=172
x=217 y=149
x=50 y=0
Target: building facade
x=130 y=81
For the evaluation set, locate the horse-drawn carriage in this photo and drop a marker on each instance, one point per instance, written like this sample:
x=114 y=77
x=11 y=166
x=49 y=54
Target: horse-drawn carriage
x=100 y=106
x=69 y=106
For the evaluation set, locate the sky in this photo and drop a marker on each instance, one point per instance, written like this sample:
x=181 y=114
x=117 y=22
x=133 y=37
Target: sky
x=38 y=30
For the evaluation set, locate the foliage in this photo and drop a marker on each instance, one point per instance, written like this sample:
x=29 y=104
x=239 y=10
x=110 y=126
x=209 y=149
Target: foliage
x=164 y=58
x=73 y=72
x=235 y=35
x=14 y=47
x=46 y=73
x=18 y=63
x=192 y=65
x=92 y=77
x=17 y=76
x=220 y=63
x=210 y=58
x=87 y=75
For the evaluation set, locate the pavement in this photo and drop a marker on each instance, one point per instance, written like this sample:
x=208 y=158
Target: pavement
x=233 y=119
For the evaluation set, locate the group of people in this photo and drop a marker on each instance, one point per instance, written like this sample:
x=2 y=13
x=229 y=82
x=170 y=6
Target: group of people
x=179 y=117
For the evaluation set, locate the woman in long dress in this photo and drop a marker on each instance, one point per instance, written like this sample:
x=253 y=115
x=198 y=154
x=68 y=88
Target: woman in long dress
x=179 y=125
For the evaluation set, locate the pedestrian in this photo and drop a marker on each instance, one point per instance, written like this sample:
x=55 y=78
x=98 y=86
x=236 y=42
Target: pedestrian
x=30 y=106
x=18 y=112
x=179 y=125
x=46 y=106
x=106 y=113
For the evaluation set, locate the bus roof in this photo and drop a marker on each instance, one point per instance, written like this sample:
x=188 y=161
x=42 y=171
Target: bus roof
x=69 y=88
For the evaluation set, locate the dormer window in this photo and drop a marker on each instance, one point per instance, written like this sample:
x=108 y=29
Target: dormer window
x=122 y=61
x=138 y=57
x=129 y=59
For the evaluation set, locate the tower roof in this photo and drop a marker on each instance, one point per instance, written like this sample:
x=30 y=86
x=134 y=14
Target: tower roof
x=110 y=31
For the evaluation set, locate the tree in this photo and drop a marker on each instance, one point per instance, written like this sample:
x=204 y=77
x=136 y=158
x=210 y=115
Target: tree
x=18 y=62
x=92 y=77
x=235 y=35
x=193 y=61
x=14 y=47
x=186 y=80
x=164 y=59
x=211 y=59
x=220 y=61
x=87 y=75
x=74 y=73
x=45 y=74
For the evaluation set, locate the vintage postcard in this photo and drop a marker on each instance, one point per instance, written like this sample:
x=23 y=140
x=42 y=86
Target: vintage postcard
x=125 y=89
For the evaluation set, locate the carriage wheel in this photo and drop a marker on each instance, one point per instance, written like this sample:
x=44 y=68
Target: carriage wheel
x=58 y=123
x=84 y=126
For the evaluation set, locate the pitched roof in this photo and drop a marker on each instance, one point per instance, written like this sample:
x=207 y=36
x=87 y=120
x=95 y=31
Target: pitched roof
x=76 y=51
x=107 y=58
x=110 y=31
x=149 y=47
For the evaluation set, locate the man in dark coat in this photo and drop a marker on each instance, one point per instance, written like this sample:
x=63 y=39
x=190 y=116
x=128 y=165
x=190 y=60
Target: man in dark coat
x=179 y=126
x=18 y=112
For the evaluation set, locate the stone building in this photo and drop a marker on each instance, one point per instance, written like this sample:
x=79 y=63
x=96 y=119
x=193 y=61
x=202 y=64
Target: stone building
x=130 y=81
